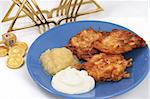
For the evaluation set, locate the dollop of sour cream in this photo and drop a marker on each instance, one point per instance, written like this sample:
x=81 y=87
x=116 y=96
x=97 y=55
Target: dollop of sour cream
x=72 y=81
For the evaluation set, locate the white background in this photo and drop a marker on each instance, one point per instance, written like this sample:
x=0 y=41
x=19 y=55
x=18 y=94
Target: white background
x=133 y=14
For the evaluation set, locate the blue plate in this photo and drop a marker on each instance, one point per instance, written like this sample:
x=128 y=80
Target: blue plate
x=59 y=37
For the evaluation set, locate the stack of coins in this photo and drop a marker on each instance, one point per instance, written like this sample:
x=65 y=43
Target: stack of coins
x=16 y=54
x=15 y=50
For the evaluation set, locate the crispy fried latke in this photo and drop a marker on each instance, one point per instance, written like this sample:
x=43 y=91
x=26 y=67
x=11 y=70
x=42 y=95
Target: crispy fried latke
x=81 y=44
x=106 y=67
x=118 y=41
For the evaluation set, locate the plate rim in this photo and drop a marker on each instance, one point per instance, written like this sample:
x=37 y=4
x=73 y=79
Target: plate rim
x=66 y=95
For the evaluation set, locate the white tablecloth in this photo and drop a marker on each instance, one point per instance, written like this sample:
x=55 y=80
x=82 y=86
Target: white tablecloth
x=17 y=84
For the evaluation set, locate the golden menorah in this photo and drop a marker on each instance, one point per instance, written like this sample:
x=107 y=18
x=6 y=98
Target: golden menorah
x=67 y=11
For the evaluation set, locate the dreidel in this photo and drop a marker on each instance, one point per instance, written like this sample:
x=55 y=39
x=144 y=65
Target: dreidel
x=9 y=39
